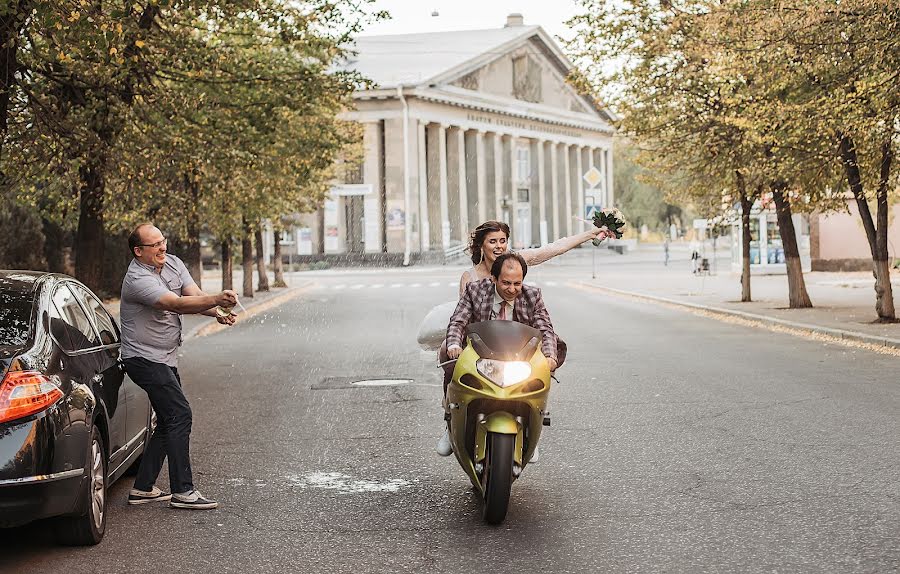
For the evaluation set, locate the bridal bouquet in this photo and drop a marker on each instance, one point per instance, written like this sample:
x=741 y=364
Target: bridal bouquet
x=611 y=219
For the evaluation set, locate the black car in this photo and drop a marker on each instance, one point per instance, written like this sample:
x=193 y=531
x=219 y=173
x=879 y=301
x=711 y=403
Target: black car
x=71 y=420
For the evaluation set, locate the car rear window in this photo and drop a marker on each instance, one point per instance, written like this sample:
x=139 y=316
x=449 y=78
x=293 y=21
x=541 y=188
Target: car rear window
x=16 y=299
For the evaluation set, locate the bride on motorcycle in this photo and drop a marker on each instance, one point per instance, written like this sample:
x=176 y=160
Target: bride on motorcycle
x=491 y=239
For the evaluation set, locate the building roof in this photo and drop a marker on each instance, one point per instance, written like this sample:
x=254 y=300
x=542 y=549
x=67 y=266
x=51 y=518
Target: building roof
x=414 y=59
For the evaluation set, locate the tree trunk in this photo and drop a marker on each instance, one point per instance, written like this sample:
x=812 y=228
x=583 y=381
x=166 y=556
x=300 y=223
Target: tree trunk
x=875 y=234
x=276 y=256
x=227 y=267
x=746 y=206
x=89 y=239
x=192 y=253
x=247 y=258
x=261 y=261
x=798 y=298
x=884 y=294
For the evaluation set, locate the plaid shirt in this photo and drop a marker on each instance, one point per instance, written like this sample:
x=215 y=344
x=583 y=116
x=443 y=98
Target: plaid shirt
x=476 y=305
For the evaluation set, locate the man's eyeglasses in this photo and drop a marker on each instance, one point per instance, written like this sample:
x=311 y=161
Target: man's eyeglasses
x=160 y=243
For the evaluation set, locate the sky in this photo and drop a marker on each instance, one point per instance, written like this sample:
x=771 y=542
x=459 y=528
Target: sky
x=411 y=16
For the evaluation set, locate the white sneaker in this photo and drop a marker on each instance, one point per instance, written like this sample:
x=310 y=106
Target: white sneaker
x=192 y=500
x=444 y=448
x=536 y=455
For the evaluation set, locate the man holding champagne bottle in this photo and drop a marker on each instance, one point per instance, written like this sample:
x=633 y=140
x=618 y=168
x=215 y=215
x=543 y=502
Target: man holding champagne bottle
x=156 y=291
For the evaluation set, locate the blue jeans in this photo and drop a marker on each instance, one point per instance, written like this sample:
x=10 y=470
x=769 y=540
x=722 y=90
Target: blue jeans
x=172 y=436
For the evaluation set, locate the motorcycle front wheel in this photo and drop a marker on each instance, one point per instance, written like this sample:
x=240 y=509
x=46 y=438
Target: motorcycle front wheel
x=498 y=476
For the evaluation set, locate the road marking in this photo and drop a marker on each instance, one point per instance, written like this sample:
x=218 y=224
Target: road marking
x=381 y=382
x=339 y=287
x=378 y=286
x=434 y=284
x=345 y=484
x=416 y=285
x=551 y=283
x=451 y=284
x=395 y=285
x=358 y=286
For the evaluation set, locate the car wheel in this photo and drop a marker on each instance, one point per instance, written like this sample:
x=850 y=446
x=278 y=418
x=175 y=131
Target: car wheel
x=88 y=529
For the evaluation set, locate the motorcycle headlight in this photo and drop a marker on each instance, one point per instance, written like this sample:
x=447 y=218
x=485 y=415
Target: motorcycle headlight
x=504 y=373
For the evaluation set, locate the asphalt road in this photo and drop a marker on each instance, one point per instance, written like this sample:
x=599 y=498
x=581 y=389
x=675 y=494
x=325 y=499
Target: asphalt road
x=679 y=444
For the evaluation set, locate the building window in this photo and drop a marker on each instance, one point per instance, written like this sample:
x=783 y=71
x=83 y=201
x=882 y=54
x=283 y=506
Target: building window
x=523 y=164
x=287 y=237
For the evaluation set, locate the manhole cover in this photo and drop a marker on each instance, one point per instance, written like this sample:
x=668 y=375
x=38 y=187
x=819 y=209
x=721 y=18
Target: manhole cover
x=381 y=382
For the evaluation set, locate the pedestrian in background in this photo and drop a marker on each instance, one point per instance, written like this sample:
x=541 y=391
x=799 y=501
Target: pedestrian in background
x=156 y=291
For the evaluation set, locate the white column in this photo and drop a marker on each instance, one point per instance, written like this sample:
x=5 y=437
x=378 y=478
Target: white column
x=463 y=186
x=579 y=181
x=567 y=171
x=554 y=190
x=374 y=223
x=498 y=175
x=609 y=177
x=512 y=189
x=481 y=176
x=542 y=193
x=442 y=174
x=424 y=228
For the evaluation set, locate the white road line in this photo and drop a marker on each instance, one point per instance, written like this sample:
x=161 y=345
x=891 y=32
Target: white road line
x=339 y=287
x=451 y=284
x=416 y=285
x=434 y=284
x=395 y=285
x=551 y=283
x=378 y=286
x=358 y=286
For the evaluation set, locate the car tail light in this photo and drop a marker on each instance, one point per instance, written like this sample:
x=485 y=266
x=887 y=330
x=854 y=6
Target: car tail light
x=25 y=393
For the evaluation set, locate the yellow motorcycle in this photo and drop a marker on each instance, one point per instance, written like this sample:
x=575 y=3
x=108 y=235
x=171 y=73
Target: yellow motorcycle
x=496 y=408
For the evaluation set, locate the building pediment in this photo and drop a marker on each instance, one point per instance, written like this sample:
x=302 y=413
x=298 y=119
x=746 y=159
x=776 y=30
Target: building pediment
x=521 y=63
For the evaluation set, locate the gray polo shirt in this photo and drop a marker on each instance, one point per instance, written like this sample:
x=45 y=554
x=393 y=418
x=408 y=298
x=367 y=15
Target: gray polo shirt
x=147 y=332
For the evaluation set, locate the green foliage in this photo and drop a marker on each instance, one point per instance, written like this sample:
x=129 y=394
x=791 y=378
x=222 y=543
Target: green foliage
x=637 y=195
x=183 y=112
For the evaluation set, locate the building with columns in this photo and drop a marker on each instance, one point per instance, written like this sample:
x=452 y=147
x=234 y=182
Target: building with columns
x=462 y=127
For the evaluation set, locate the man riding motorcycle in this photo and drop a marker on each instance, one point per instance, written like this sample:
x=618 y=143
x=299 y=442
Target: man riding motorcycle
x=503 y=296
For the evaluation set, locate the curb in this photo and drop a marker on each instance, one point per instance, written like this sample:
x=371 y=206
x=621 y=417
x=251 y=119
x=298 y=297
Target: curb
x=208 y=326
x=812 y=329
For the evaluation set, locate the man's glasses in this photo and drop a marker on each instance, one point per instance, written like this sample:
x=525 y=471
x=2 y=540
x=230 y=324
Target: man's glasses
x=154 y=245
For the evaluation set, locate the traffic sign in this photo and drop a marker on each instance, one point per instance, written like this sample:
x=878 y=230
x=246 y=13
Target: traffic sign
x=593 y=177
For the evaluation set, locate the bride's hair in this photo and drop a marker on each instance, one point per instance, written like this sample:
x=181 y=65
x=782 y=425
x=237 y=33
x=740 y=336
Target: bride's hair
x=476 y=238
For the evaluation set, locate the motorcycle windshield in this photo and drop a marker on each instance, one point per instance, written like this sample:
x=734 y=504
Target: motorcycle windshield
x=504 y=340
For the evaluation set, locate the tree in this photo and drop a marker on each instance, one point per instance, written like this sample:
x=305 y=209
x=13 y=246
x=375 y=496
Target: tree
x=116 y=94
x=704 y=111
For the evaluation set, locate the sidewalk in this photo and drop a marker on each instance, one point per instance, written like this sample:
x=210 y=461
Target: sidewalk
x=844 y=303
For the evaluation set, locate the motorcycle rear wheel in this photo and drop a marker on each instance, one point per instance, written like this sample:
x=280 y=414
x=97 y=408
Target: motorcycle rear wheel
x=498 y=476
